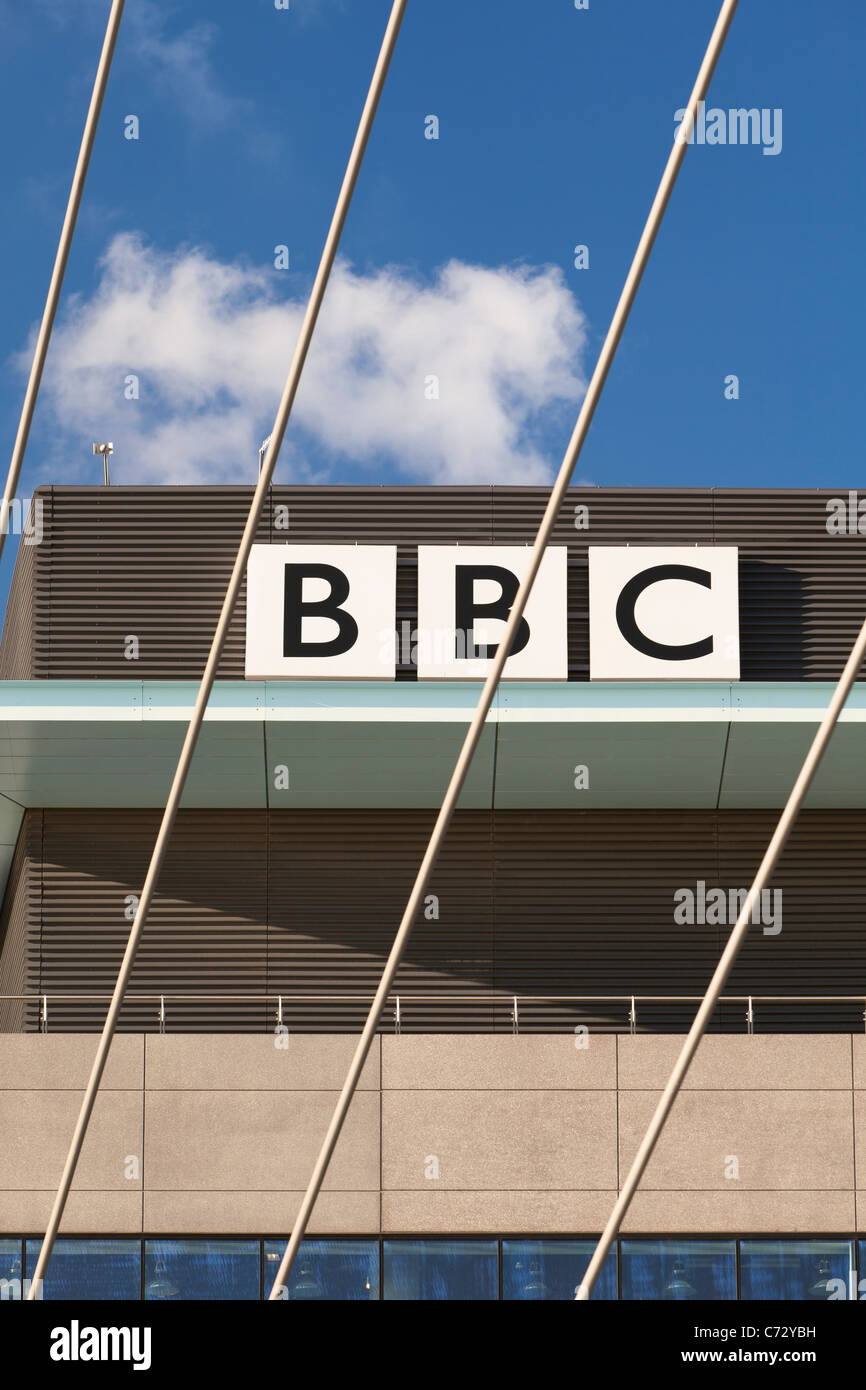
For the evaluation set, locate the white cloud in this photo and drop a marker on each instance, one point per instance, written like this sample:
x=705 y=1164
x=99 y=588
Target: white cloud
x=211 y=344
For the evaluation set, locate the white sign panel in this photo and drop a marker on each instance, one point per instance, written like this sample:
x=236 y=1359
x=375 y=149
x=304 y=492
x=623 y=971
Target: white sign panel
x=321 y=612
x=664 y=613
x=465 y=594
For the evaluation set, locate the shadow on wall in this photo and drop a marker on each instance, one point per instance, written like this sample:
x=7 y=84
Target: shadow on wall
x=772 y=622
x=528 y=903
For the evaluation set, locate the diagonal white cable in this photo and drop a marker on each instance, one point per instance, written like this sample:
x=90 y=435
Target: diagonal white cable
x=726 y=963
x=169 y=815
x=66 y=234
x=584 y=420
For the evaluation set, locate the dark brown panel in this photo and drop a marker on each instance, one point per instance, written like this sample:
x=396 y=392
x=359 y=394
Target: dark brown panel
x=19 y=929
x=339 y=882
x=148 y=562
x=543 y=903
x=207 y=930
x=16 y=645
x=822 y=882
x=154 y=562
x=802 y=590
x=585 y=905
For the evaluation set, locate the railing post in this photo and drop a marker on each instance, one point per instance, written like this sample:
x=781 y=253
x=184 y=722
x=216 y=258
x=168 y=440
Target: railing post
x=43 y=1017
x=162 y=1013
x=632 y=1018
x=515 y=1018
x=750 y=1017
x=398 y=1022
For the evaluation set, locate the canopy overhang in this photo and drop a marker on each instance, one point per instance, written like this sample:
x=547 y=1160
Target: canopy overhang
x=372 y=744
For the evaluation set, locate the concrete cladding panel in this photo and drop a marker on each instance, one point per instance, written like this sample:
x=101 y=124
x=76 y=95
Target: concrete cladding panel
x=447 y=1134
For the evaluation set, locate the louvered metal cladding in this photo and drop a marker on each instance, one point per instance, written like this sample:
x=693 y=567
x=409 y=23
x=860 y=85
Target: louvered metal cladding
x=532 y=903
x=19 y=930
x=154 y=562
x=16 y=645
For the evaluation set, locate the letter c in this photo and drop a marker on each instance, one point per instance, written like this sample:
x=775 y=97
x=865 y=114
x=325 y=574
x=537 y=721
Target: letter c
x=627 y=624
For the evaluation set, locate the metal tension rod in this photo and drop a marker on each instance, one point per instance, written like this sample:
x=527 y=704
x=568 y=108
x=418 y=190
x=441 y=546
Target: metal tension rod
x=726 y=964
x=67 y=231
x=169 y=815
x=584 y=420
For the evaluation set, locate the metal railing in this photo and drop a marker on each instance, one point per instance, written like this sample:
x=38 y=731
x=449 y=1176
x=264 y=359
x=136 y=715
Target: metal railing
x=403 y=1003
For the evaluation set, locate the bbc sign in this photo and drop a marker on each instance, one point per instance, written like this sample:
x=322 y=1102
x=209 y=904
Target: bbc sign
x=328 y=612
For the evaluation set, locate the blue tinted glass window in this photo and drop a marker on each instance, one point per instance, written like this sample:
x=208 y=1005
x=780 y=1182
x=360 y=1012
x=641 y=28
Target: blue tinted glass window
x=679 y=1270
x=89 y=1269
x=202 y=1269
x=816 y=1270
x=464 y=1270
x=10 y=1269
x=552 y=1269
x=338 y=1271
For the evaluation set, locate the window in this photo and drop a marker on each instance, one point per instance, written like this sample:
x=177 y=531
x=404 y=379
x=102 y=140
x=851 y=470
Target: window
x=202 y=1269
x=552 y=1269
x=89 y=1269
x=341 y=1271
x=466 y=1270
x=364 y=1270
x=817 y=1270
x=679 y=1270
x=10 y=1269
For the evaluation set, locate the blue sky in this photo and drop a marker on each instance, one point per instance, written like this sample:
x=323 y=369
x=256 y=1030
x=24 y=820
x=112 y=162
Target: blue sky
x=458 y=256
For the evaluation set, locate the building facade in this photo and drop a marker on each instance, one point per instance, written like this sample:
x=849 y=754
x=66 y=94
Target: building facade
x=603 y=842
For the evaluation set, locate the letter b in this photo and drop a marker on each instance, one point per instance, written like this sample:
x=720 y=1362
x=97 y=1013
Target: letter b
x=467 y=609
x=296 y=609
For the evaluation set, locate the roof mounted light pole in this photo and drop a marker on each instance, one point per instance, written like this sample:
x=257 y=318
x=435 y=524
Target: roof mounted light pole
x=106 y=450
